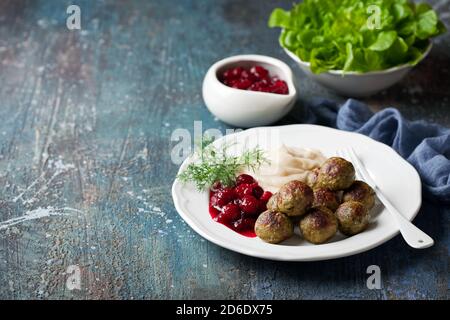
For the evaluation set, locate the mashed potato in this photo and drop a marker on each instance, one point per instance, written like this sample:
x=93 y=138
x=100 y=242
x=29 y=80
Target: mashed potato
x=286 y=164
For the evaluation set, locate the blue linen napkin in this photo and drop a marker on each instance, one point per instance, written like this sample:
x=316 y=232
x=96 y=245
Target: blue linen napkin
x=425 y=145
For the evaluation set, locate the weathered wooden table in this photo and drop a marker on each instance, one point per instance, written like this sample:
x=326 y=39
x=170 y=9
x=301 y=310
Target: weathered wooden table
x=86 y=118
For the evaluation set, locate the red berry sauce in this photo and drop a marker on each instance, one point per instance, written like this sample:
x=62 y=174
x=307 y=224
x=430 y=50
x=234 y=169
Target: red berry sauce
x=255 y=78
x=238 y=207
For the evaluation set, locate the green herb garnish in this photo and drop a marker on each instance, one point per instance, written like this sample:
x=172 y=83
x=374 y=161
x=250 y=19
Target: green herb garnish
x=357 y=35
x=214 y=164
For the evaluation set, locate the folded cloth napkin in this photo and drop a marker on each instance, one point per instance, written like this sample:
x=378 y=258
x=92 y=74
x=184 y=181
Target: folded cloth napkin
x=425 y=145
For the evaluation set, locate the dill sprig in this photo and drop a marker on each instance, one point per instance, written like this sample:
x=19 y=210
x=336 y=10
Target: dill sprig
x=216 y=165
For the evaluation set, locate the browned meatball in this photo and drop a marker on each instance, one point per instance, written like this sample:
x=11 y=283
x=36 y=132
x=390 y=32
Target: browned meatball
x=361 y=192
x=336 y=174
x=319 y=225
x=293 y=199
x=353 y=217
x=273 y=227
x=326 y=198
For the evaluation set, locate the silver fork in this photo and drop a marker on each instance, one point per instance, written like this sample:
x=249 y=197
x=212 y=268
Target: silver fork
x=415 y=237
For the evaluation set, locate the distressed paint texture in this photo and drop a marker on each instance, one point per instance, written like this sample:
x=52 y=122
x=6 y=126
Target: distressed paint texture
x=85 y=124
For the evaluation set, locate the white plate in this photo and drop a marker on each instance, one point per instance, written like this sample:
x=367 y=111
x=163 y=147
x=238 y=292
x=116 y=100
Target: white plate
x=396 y=178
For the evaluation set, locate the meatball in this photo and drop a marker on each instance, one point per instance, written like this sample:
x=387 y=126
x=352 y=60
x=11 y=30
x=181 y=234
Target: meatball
x=353 y=217
x=326 y=198
x=361 y=192
x=273 y=227
x=293 y=199
x=336 y=174
x=319 y=225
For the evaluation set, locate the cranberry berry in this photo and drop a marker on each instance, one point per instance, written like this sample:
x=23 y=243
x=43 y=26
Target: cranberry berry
x=236 y=72
x=216 y=186
x=242 y=84
x=221 y=218
x=249 y=205
x=259 y=72
x=266 y=196
x=223 y=197
x=243 y=190
x=244 y=178
x=258 y=192
x=244 y=224
x=231 y=212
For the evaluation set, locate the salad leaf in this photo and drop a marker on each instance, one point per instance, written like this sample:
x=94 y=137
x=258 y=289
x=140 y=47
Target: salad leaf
x=427 y=24
x=384 y=41
x=357 y=35
x=279 y=18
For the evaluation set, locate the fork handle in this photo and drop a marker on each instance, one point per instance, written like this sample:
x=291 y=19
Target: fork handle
x=415 y=237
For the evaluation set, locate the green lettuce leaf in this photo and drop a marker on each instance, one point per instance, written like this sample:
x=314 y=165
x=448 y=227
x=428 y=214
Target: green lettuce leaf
x=384 y=41
x=357 y=35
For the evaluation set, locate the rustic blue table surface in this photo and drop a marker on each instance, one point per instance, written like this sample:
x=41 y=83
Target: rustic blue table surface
x=86 y=118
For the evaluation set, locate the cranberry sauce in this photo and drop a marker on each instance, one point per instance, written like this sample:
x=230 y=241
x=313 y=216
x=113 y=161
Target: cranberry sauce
x=255 y=78
x=238 y=207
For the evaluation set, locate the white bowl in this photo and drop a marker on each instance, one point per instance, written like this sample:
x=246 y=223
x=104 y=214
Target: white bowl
x=244 y=108
x=356 y=84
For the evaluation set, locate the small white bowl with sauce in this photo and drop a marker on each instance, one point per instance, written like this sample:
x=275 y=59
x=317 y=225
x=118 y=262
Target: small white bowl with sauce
x=245 y=108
